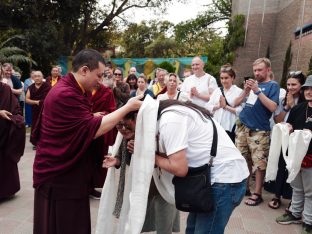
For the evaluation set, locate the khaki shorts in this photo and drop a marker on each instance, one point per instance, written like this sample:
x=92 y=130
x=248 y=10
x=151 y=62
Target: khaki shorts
x=253 y=145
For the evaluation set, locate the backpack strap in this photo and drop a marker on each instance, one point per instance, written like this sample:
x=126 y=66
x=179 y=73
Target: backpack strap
x=178 y=95
x=222 y=91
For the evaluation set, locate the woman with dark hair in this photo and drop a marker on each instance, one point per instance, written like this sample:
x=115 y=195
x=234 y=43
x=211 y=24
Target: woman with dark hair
x=294 y=96
x=221 y=102
x=121 y=89
x=132 y=81
x=300 y=118
x=142 y=87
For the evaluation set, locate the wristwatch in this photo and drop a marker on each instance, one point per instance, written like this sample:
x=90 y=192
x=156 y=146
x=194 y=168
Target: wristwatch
x=258 y=92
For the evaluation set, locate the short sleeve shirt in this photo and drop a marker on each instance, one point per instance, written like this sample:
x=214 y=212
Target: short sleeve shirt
x=255 y=115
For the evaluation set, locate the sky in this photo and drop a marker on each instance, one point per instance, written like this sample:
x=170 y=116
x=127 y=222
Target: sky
x=176 y=13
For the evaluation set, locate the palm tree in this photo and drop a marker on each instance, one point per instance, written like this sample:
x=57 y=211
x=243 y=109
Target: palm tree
x=13 y=54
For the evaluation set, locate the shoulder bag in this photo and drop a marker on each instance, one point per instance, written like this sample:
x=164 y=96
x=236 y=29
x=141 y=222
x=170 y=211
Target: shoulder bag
x=193 y=193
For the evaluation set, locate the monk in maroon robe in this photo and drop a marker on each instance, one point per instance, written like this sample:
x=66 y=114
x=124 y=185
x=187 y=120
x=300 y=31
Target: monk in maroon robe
x=12 y=141
x=54 y=77
x=103 y=102
x=35 y=96
x=64 y=132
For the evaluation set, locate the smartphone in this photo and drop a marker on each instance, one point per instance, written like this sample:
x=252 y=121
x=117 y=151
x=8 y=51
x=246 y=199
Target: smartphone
x=248 y=78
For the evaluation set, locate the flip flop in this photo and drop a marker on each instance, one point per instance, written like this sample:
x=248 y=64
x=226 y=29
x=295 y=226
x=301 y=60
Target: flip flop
x=255 y=201
x=275 y=203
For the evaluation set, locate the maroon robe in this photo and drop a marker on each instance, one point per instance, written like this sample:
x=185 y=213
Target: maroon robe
x=37 y=94
x=62 y=168
x=102 y=101
x=49 y=80
x=12 y=143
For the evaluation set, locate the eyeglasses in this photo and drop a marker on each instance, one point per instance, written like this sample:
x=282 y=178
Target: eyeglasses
x=295 y=73
x=117 y=74
x=121 y=126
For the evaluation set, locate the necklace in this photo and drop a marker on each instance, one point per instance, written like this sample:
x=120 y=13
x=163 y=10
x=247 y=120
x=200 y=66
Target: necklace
x=308 y=116
x=171 y=96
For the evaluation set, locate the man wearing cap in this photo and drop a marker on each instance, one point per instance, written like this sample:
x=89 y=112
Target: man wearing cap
x=300 y=117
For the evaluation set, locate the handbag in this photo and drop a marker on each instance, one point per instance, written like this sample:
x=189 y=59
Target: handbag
x=193 y=193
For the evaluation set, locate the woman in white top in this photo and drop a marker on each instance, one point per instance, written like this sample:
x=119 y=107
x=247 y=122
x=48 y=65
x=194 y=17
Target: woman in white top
x=221 y=102
x=172 y=82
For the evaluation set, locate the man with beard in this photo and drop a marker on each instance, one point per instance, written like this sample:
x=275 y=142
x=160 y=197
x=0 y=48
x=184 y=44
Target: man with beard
x=253 y=128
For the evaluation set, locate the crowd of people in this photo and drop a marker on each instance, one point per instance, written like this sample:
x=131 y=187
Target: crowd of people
x=76 y=118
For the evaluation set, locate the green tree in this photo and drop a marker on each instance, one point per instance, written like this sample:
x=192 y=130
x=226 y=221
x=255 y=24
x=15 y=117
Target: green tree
x=135 y=38
x=234 y=38
x=12 y=54
x=310 y=67
x=193 y=34
x=167 y=66
x=286 y=66
x=161 y=47
x=63 y=27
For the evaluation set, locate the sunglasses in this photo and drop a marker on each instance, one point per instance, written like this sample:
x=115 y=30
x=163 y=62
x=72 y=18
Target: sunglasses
x=295 y=73
x=226 y=69
x=121 y=126
x=117 y=74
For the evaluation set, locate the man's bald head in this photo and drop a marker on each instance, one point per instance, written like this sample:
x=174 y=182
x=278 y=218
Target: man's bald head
x=198 y=66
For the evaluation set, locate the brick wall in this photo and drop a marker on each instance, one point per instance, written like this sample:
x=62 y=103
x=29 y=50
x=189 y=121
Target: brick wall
x=281 y=19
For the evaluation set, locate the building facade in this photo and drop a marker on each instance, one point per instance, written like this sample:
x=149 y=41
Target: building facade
x=274 y=24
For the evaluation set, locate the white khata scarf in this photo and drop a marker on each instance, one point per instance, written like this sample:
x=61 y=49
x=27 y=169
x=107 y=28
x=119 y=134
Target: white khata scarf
x=297 y=144
x=138 y=178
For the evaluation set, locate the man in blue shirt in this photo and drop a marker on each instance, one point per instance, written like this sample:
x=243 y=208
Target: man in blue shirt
x=253 y=128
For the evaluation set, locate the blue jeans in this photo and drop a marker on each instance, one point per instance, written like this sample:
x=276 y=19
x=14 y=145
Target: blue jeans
x=226 y=198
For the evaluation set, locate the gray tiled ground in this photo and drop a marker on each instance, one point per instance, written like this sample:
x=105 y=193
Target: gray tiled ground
x=16 y=214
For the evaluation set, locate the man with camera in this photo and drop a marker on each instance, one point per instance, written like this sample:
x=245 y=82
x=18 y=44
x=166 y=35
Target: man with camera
x=253 y=128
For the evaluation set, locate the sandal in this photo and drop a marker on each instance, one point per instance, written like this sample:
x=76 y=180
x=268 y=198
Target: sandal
x=275 y=203
x=254 y=201
x=248 y=193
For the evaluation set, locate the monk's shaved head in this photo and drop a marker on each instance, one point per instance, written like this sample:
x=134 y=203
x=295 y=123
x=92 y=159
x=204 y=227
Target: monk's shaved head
x=87 y=57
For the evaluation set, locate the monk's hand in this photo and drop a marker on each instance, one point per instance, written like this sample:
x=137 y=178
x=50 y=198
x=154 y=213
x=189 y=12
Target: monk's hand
x=98 y=114
x=5 y=115
x=135 y=103
x=110 y=161
x=130 y=146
